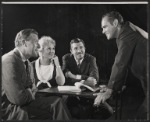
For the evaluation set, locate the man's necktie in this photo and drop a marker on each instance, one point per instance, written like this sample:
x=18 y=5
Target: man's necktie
x=27 y=67
x=28 y=74
x=79 y=65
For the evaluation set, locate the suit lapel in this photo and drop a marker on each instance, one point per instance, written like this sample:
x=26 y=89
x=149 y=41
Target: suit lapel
x=73 y=61
x=17 y=54
x=74 y=64
x=27 y=77
x=83 y=64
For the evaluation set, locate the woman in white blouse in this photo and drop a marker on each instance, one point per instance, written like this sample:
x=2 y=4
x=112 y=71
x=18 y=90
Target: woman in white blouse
x=47 y=68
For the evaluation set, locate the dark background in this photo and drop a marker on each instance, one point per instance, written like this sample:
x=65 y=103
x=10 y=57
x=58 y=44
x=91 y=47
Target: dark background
x=64 y=22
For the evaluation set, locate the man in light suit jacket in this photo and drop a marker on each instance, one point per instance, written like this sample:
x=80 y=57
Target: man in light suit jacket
x=18 y=88
x=78 y=65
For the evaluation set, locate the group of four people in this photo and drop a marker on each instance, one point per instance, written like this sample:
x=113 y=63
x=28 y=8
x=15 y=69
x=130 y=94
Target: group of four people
x=21 y=79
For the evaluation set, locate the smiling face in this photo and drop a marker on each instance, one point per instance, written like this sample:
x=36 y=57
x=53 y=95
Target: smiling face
x=48 y=51
x=78 y=50
x=47 y=47
x=109 y=29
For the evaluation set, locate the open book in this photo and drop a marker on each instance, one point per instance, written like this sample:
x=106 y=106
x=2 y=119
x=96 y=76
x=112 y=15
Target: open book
x=78 y=88
x=83 y=86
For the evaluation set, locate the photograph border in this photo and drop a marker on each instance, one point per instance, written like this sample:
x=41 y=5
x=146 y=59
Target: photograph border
x=82 y=2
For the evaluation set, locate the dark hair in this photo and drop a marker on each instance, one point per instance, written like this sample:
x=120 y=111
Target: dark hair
x=76 y=40
x=114 y=15
x=23 y=35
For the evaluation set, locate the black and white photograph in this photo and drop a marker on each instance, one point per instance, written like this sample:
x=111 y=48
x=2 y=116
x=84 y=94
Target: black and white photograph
x=74 y=61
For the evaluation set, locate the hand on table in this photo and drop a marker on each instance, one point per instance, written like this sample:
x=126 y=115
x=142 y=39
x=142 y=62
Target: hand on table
x=90 y=81
x=102 y=97
x=56 y=61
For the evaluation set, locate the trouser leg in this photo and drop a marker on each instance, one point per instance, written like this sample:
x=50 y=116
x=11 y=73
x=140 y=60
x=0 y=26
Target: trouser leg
x=60 y=110
x=49 y=108
x=143 y=112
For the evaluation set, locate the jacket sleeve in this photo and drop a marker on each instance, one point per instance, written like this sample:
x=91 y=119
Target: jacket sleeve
x=125 y=49
x=12 y=83
x=64 y=64
x=93 y=70
x=65 y=68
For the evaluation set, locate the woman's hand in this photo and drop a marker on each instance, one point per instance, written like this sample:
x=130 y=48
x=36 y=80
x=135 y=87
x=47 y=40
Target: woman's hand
x=60 y=78
x=56 y=61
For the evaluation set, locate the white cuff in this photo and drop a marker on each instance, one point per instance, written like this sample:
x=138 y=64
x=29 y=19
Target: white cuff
x=82 y=81
x=78 y=77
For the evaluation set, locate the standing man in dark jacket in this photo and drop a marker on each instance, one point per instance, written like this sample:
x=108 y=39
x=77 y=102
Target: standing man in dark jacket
x=132 y=53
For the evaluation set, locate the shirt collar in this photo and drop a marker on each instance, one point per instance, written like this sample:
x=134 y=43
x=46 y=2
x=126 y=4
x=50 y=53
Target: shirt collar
x=79 y=62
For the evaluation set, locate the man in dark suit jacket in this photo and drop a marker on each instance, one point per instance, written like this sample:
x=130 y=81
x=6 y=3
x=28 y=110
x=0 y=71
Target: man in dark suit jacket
x=132 y=55
x=18 y=88
x=79 y=66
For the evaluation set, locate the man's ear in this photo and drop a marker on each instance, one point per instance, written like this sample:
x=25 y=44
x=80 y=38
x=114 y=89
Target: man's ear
x=71 y=51
x=24 y=43
x=115 y=22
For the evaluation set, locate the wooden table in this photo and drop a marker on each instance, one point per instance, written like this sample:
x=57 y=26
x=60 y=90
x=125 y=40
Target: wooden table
x=55 y=91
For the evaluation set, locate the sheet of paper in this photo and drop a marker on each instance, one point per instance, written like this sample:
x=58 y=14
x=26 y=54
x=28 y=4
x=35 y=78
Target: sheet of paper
x=69 y=88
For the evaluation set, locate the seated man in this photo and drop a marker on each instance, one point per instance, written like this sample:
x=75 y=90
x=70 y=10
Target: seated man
x=18 y=88
x=79 y=65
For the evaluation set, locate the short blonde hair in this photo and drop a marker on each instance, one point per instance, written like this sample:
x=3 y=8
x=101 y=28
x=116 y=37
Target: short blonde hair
x=46 y=40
